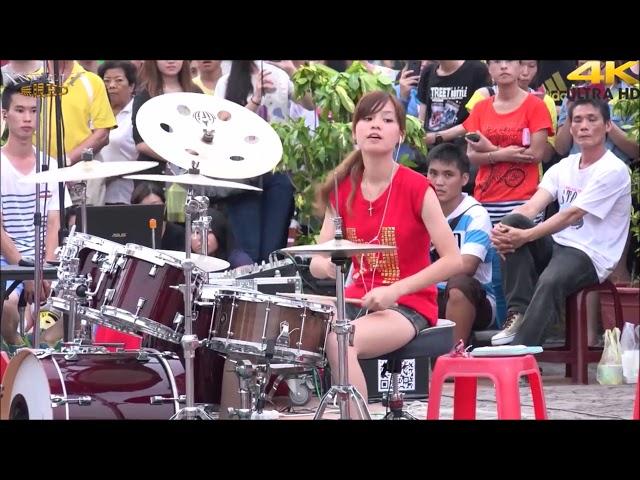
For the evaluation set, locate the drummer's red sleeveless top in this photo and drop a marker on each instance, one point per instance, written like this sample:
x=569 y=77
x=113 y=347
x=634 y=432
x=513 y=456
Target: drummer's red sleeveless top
x=402 y=226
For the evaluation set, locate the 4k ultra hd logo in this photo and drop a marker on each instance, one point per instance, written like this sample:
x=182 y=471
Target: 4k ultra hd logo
x=590 y=80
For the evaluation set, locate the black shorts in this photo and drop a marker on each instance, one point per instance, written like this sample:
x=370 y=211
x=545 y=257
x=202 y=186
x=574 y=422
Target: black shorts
x=472 y=289
x=417 y=320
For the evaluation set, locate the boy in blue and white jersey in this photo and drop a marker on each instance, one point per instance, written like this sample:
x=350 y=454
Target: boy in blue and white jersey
x=467 y=298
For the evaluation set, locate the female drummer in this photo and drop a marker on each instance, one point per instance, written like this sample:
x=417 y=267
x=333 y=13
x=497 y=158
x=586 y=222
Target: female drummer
x=382 y=202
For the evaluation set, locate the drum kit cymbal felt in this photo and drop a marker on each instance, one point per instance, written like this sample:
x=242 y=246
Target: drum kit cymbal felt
x=158 y=294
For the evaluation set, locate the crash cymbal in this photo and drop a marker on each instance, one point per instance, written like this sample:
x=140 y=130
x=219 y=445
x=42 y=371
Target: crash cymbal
x=228 y=140
x=192 y=179
x=87 y=170
x=338 y=248
x=203 y=262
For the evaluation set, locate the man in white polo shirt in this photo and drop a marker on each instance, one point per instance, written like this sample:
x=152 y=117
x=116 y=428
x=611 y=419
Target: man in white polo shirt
x=575 y=248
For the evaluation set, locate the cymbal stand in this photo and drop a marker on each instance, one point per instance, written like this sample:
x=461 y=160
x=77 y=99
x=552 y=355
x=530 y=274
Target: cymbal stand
x=201 y=225
x=80 y=189
x=344 y=331
x=189 y=341
x=74 y=289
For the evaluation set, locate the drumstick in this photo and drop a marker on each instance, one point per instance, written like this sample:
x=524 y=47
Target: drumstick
x=319 y=298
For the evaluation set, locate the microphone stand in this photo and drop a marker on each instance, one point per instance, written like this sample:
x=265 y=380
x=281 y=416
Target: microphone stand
x=41 y=155
x=63 y=232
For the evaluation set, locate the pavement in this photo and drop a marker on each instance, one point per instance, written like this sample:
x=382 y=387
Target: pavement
x=564 y=400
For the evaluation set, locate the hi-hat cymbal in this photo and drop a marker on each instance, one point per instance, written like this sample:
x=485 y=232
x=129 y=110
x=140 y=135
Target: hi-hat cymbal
x=87 y=170
x=192 y=179
x=203 y=262
x=243 y=144
x=338 y=248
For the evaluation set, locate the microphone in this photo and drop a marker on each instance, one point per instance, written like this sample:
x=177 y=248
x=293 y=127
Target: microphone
x=152 y=226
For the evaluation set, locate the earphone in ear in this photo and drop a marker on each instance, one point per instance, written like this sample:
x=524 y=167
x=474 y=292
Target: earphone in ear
x=401 y=139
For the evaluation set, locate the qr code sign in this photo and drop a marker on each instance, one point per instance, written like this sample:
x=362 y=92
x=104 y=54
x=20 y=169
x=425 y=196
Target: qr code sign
x=406 y=381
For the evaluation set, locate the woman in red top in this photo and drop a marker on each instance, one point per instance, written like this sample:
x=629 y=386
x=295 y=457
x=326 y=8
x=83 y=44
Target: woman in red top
x=512 y=129
x=383 y=202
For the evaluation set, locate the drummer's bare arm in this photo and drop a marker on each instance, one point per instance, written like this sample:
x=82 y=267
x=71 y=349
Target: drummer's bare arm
x=146 y=149
x=7 y=247
x=51 y=239
x=98 y=139
x=450 y=261
x=321 y=266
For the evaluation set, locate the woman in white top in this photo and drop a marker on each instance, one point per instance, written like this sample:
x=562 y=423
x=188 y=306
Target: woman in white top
x=260 y=221
x=120 y=78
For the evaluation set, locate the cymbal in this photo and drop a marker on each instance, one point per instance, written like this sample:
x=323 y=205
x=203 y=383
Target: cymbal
x=192 y=179
x=203 y=262
x=87 y=170
x=338 y=248
x=243 y=145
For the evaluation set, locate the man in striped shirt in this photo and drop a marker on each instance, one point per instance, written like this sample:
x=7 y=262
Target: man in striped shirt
x=18 y=160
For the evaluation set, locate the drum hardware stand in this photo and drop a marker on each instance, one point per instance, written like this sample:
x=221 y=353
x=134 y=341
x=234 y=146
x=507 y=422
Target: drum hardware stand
x=344 y=331
x=190 y=342
x=253 y=380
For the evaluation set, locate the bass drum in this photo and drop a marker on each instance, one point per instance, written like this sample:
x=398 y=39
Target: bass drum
x=46 y=385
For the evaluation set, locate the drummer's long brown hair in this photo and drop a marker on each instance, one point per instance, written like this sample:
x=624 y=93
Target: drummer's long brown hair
x=353 y=164
x=150 y=79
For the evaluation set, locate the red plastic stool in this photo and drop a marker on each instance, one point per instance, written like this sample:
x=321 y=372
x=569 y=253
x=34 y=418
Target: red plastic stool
x=505 y=372
x=636 y=404
x=4 y=362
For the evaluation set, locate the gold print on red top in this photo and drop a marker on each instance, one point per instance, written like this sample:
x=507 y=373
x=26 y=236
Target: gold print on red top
x=385 y=264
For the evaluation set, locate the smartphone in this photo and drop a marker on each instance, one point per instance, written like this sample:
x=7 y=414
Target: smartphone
x=414 y=66
x=474 y=137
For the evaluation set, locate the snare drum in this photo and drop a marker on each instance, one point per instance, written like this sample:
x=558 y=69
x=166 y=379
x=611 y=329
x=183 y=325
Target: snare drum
x=47 y=385
x=145 y=297
x=97 y=257
x=244 y=322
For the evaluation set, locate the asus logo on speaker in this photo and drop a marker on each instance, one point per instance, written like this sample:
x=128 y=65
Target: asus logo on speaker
x=119 y=235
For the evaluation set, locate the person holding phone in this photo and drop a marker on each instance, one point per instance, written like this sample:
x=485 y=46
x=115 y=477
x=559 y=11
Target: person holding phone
x=508 y=171
x=443 y=91
x=407 y=87
x=527 y=80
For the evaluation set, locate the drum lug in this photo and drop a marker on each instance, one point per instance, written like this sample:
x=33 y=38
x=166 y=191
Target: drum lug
x=283 y=338
x=108 y=295
x=170 y=355
x=121 y=262
x=152 y=272
x=58 y=400
x=71 y=356
x=159 y=400
x=142 y=356
x=178 y=319
x=141 y=302
x=44 y=353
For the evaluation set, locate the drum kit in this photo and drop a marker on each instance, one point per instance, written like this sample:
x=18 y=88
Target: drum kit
x=189 y=316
